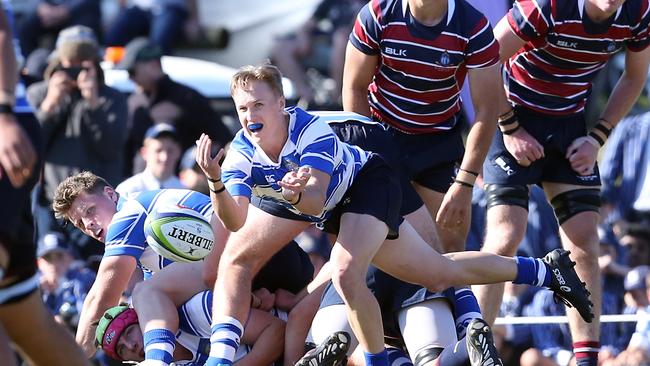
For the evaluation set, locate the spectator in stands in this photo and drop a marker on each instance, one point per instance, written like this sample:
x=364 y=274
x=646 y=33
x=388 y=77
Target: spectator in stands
x=84 y=127
x=319 y=43
x=160 y=151
x=63 y=282
x=625 y=168
x=158 y=98
x=51 y=16
x=635 y=239
x=159 y=20
x=191 y=174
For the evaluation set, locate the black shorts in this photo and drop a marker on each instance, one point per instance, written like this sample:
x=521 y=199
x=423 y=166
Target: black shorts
x=376 y=191
x=289 y=269
x=375 y=137
x=430 y=160
x=555 y=133
x=16 y=223
x=392 y=295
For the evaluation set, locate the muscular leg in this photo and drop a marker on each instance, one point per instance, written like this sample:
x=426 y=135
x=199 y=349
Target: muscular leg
x=359 y=239
x=287 y=57
x=453 y=240
x=425 y=226
x=506 y=226
x=579 y=235
x=38 y=337
x=6 y=352
x=246 y=252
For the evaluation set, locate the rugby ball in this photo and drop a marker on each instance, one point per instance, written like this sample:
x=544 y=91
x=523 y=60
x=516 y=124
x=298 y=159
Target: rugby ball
x=179 y=234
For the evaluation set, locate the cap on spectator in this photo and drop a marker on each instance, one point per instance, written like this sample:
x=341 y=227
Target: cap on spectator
x=635 y=279
x=188 y=161
x=160 y=130
x=77 y=42
x=52 y=242
x=139 y=49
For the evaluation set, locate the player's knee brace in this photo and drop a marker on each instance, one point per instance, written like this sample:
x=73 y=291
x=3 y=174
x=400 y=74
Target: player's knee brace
x=427 y=354
x=570 y=203
x=511 y=195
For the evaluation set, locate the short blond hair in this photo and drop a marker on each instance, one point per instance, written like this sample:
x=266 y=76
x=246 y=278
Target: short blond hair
x=68 y=191
x=266 y=73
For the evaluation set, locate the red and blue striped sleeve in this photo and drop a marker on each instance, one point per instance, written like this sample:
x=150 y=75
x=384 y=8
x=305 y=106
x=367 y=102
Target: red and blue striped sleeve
x=482 y=48
x=641 y=38
x=530 y=19
x=366 y=33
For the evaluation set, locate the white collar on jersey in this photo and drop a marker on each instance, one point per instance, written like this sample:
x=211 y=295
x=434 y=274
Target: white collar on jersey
x=581 y=9
x=451 y=6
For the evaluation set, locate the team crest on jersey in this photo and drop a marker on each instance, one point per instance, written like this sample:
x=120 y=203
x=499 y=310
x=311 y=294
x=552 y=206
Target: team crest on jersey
x=445 y=59
x=611 y=47
x=290 y=165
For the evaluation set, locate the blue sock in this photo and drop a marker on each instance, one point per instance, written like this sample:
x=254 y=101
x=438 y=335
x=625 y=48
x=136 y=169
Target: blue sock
x=455 y=355
x=465 y=309
x=159 y=345
x=532 y=271
x=376 y=359
x=224 y=341
x=397 y=357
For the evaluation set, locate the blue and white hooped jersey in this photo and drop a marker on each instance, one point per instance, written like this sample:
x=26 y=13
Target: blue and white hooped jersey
x=248 y=171
x=125 y=235
x=195 y=320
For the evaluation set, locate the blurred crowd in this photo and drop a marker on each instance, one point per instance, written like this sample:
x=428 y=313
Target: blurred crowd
x=145 y=140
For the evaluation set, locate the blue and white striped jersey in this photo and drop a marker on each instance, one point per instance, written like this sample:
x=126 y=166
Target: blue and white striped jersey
x=195 y=320
x=125 y=235
x=248 y=171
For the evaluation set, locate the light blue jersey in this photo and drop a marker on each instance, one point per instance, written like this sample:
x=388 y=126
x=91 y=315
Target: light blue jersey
x=125 y=235
x=195 y=320
x=248 y=171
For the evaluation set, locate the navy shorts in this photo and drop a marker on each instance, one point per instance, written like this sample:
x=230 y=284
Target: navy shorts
x=375 y=137
x=555 y=133
x=430 y=160
x=289 y=269
x=16 y=224
x=375 y=191
x=392 y=295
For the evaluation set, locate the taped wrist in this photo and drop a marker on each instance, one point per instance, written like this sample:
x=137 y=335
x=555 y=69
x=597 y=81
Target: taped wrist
x=601 y=131
x=508 y=123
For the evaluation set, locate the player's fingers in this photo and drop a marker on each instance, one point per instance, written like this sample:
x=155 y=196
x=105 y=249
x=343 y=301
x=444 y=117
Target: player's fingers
x=220 y=155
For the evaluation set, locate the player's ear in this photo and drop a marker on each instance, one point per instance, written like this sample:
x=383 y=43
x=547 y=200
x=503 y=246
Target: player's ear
x=111 y=193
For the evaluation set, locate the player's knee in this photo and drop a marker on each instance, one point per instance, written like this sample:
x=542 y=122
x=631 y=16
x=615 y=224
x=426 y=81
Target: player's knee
x=503 y=238
x=511 y=195
x=531 y=357
x=348 y=280
x=427 y=355
x=570 y=203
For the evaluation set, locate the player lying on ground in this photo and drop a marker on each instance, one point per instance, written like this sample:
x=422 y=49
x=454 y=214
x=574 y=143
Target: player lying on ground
x=120 y=336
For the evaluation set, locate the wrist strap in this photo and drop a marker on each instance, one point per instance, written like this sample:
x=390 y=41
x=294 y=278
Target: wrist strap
x=213 y=180
x=464 y=184
x=298 y=200
x=508 y=123
x=601 y=131
x=213 y=188
x=465 y=177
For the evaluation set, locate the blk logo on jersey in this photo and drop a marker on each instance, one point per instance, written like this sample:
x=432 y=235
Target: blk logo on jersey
x=567 y=44
x=395 y=52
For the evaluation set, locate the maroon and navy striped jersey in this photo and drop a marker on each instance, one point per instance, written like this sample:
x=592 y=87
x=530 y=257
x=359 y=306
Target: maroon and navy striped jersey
x=565 y=49
x=416 y=87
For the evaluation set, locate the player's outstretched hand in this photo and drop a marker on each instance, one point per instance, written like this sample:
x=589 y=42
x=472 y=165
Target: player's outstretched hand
x=294 y=183
x=17 y=155
x=455 y=207
x=210 y=165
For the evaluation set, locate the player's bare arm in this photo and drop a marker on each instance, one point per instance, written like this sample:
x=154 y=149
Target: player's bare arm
x=357 y=75
x=520 y=144
x=112 y=279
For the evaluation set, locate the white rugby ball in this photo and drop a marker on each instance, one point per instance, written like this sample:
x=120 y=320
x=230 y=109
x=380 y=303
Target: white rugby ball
x=179 y=234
